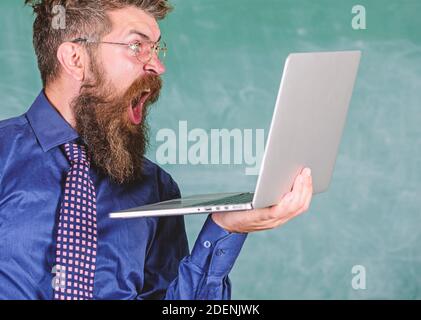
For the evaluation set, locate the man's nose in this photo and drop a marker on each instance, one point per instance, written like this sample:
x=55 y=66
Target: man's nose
x=154 y=66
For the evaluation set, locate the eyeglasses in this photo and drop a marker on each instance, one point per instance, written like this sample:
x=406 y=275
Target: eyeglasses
x=143 y=51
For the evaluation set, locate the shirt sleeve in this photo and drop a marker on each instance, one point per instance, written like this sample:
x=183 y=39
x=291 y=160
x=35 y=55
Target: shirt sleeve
x=204 y=273
x=172 y=273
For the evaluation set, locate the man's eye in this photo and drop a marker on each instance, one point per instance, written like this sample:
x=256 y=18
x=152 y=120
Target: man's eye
x=135 y=46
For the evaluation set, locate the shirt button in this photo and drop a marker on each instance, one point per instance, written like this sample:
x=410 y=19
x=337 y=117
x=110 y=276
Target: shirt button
x=207 y=244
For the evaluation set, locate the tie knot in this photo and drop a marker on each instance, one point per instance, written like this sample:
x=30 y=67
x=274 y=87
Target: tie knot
x=76 y=153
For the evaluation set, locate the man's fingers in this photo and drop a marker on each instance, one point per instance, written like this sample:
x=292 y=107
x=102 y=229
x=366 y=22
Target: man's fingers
x=296 y=191
x=297 y=198
x=307 y=197
x=306 y=173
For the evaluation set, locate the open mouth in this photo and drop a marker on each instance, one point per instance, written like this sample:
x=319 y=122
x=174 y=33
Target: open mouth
x=136 y=107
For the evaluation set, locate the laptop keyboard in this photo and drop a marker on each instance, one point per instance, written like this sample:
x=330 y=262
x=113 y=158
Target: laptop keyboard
x=239 y=198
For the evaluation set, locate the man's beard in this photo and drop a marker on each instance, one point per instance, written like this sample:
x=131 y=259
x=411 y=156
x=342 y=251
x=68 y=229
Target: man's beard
x=116 y=146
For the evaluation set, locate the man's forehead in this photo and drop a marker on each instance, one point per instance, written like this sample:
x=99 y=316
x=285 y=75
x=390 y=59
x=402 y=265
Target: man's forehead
x=132 y=20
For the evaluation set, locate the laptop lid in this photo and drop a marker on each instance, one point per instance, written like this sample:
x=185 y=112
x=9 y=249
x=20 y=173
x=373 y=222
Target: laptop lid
x=308 y=122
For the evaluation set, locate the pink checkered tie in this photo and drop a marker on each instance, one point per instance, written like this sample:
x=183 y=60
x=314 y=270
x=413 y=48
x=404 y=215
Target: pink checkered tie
x=77 y=230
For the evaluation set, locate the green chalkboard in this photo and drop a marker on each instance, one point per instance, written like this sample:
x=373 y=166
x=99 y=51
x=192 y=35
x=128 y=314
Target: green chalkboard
x=224 y=65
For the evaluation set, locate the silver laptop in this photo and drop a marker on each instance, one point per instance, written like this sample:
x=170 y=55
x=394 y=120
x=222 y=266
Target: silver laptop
x=306 y=129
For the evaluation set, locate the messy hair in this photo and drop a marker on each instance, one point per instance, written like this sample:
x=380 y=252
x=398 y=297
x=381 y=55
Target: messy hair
x=83 y=18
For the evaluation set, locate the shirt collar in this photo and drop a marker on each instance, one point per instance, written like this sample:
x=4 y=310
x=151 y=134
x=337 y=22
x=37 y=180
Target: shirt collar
x=49 y=126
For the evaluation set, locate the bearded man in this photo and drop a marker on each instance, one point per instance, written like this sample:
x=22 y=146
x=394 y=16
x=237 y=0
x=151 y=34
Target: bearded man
x=78 y=154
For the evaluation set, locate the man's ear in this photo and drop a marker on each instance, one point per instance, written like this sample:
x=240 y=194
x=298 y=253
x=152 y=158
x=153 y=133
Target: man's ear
x=72 y=60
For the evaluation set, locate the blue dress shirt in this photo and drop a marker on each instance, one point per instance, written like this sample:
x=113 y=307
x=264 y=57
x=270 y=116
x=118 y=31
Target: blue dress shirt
x=144 y=258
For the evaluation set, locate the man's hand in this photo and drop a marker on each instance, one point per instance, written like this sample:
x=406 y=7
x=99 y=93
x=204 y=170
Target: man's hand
x=292 y=204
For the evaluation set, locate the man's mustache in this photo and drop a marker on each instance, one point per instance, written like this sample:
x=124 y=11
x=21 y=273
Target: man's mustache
x=149 y=84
